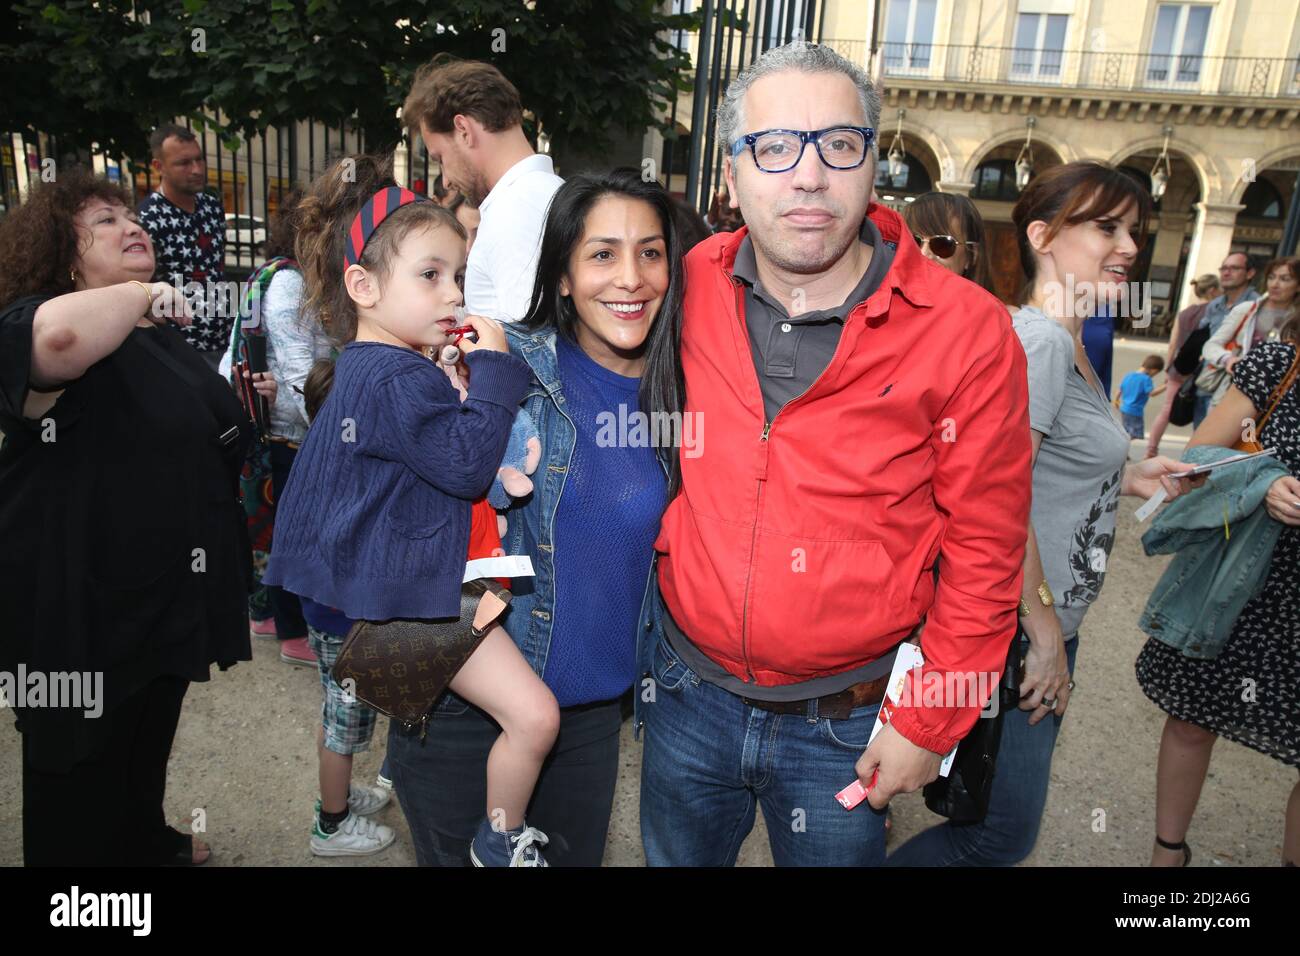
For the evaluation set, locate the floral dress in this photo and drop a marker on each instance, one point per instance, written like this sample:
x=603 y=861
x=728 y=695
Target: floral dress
x=1250 y=693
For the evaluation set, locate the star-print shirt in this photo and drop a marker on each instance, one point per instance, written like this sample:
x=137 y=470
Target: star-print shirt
x=190 y=247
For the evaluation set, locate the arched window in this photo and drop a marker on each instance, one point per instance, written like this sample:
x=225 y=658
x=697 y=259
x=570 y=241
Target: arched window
x=913 y=180
x=996 y=179
x=1143 y=179
x=1262 y=200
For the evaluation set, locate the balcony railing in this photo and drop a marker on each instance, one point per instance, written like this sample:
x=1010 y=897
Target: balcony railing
x=1253 y=76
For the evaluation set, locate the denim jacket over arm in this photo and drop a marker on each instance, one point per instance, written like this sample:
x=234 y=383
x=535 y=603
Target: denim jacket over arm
x=530 y=521
x=1214 y=572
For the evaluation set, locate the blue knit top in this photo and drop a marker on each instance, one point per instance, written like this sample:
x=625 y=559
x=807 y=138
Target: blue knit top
x=605 y=526
x=375 y=518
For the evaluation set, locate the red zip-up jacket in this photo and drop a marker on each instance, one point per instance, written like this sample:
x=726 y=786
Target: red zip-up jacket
x=806 y=546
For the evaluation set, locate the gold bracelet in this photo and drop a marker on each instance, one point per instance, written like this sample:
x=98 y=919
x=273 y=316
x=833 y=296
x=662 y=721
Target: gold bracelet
x=1044 y=596
x=148 y=293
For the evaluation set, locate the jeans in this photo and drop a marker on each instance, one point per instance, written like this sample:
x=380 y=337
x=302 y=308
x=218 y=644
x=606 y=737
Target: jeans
x=1008 y=833
x=285 y=606
x=1133 y=424
x=441 y=784
x=710 y=758
x=1202 y=408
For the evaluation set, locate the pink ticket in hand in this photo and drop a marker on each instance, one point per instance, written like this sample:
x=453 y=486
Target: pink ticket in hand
x=854 y=793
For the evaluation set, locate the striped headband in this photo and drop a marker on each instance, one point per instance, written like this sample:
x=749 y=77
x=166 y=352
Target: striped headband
x=378 y=208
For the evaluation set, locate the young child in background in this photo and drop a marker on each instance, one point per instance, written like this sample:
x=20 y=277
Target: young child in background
x=376 y=518
x=347 y=724
x=1134 y=390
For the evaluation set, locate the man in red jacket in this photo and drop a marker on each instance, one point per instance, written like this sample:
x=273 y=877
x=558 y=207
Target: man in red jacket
x=867 y=469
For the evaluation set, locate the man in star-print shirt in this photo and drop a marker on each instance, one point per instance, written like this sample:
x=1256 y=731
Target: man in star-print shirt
x=188 y=228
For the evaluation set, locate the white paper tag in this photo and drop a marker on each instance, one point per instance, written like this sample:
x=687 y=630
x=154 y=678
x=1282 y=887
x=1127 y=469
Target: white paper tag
x=1154 y=502
x=507 y=566
x=908 y=657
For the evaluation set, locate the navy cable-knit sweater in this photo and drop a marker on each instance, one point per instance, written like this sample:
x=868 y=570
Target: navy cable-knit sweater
x=375 y=518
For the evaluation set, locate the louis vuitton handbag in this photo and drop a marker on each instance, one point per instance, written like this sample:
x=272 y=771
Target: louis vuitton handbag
x=401 y=667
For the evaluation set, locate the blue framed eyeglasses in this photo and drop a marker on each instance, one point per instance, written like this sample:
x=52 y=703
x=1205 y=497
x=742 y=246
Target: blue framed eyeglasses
x=779 y=150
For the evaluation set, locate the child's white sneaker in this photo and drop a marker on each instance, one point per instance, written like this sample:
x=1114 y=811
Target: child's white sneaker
x=355 y=836
x=363 y=800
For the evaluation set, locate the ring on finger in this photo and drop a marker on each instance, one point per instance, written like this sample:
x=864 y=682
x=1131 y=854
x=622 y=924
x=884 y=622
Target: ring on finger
x=1049 y=704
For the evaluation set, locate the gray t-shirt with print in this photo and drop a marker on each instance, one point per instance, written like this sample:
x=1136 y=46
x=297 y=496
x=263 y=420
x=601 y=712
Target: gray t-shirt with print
x=1079 y=469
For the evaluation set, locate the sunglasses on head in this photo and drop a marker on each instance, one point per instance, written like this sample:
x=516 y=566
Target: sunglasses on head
x=945 y=247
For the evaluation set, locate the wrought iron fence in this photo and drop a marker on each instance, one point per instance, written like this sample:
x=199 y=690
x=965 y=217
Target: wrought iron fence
x=732 y=35
x=251 y=178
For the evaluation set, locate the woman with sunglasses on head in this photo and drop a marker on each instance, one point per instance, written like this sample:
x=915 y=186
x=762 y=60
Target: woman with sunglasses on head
x=949 y=230
x=1076 y=226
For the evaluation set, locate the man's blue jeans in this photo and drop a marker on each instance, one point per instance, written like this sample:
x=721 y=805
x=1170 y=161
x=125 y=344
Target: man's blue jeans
x=709 y=759
x=1008 y=833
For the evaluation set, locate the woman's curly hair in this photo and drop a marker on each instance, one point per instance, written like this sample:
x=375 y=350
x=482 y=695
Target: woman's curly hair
x=38 y=240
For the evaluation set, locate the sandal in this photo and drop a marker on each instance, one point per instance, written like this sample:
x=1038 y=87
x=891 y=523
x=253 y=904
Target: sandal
x=184 y=855
x=1182 y=845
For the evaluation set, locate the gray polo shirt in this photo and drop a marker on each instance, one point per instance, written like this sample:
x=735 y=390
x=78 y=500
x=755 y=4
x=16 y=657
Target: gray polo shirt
x=790 y=352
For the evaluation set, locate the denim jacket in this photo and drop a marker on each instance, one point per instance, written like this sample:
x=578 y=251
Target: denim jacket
x=1213 y=575
x=530 y=521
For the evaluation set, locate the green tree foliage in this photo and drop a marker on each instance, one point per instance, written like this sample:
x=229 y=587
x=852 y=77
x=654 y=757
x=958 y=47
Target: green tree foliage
x=106 y=72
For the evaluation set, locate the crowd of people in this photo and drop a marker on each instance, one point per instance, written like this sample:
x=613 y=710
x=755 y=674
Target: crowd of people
x=162 y=500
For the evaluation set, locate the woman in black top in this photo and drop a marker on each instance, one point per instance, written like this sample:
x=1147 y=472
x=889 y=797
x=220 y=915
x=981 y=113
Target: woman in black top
x=125 y=558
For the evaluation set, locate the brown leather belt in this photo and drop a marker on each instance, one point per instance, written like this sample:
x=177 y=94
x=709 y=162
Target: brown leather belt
x=835 y=706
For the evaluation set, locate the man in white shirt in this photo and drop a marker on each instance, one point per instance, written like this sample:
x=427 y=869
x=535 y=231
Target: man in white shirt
x=470 y=118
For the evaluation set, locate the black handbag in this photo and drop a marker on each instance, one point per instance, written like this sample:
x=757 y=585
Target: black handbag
x=963 y=795
x=1189 y=356
x=1183 y=409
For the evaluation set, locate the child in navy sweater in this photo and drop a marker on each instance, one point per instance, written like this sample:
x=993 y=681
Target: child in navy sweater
x=375 y=519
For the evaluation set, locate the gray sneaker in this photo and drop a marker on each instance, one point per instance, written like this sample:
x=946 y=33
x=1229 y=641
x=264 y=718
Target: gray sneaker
x=363 y=800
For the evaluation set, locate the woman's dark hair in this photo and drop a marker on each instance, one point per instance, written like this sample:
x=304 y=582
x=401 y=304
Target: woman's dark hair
x=938 y=214
x=662 y=386
x=691 y=227
x=1072 y=193
x=38 y=240
x=282 y=230
x=316 y=387
x=324 y=216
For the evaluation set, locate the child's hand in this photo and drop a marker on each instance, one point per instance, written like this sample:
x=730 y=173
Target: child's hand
x=491 y=335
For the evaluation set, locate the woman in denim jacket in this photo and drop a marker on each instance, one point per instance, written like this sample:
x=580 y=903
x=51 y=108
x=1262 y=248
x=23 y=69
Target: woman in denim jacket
x=601 y=340
x=1248 y=692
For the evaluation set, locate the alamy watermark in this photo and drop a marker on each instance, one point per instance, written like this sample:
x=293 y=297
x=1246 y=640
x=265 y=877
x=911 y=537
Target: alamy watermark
x=74 y=690
x=1119 y=300
x=215 y=298
x=632 y=428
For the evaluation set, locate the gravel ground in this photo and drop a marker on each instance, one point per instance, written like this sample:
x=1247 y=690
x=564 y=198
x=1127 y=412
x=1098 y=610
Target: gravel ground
x=245 y=754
